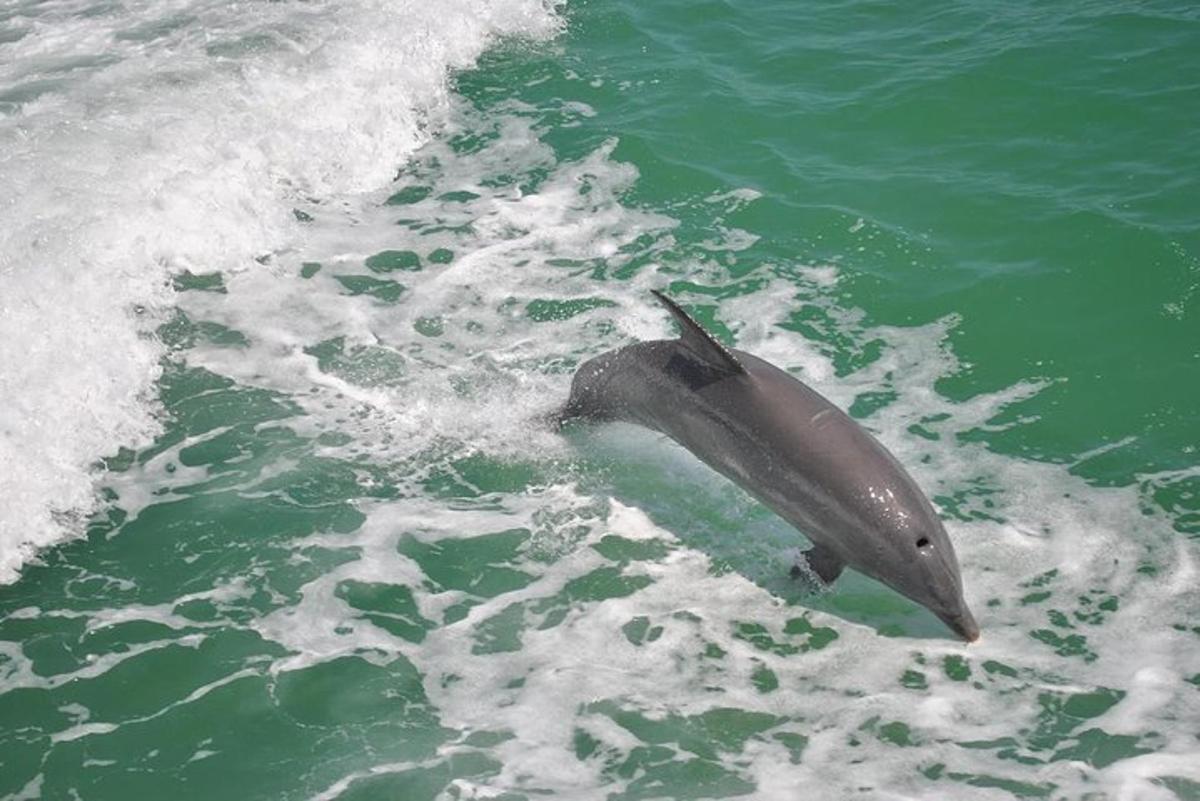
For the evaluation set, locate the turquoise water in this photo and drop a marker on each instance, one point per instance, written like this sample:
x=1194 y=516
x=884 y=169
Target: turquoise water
x=286 y=289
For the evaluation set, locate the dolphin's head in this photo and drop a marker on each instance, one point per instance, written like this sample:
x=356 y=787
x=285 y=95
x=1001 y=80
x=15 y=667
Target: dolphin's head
x=934 y=581
x=913 y=554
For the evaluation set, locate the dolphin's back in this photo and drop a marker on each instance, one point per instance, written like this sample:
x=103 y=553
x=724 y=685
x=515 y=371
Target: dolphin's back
x=760 y=427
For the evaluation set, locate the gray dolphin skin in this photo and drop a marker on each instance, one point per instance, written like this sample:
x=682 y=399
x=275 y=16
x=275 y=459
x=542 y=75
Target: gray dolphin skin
x=789 y=447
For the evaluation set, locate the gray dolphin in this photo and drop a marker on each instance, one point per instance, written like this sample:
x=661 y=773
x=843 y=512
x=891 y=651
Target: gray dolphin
x=789 y=447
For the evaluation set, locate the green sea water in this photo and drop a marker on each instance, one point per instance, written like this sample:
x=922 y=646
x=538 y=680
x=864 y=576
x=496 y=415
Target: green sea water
x=355 y=565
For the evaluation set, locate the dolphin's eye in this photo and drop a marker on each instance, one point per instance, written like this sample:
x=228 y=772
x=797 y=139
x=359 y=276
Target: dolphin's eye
x=923 y=543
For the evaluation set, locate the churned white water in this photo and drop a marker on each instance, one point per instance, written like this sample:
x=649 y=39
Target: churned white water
x=1064 y=577
x=643 y=617
x=142 y=139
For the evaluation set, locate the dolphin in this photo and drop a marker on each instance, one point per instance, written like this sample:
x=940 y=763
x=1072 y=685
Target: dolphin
x=788 y=446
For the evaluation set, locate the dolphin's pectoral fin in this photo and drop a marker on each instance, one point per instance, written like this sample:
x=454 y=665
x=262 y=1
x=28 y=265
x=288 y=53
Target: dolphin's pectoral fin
x=701 y=343
x=823 y=562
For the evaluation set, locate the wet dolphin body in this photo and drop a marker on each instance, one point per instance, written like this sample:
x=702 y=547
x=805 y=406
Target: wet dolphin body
x=792 y=449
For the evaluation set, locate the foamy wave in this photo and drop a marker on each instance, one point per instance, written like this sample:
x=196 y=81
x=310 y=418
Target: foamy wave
x=154 y=138
x=1045 y=556
x=566 y=688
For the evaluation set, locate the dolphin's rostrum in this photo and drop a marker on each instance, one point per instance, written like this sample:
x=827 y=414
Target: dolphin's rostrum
x=789 y=447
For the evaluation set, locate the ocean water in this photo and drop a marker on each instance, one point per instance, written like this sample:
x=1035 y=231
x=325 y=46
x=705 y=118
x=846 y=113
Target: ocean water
x=286 y=288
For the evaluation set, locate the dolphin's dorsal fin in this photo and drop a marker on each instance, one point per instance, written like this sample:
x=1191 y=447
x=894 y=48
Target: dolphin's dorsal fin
x=701 y=343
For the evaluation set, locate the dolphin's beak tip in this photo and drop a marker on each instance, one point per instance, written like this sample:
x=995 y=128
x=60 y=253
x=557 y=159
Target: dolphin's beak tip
x=964 y=625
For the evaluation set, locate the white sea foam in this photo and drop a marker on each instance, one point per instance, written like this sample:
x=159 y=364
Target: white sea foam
x=145 y=138
x=488 y=345
x=1043 y=552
